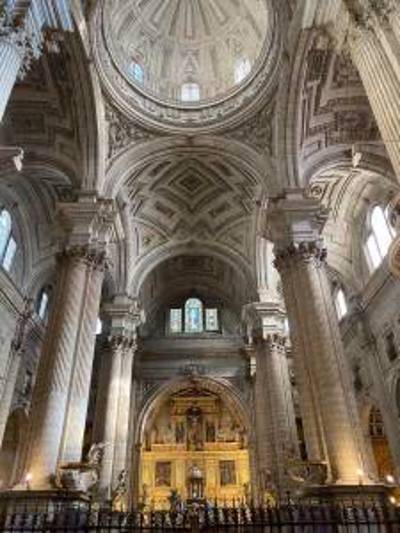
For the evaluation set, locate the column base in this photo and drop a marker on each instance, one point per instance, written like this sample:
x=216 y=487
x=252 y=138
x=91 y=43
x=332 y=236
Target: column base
x=351 y=494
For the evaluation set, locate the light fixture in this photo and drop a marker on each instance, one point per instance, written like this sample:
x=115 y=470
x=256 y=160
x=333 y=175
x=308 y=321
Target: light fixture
x=392 y=500
x=390 y=478
x=28 y=479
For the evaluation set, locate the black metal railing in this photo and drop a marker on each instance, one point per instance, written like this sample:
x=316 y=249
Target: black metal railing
x=290 y=517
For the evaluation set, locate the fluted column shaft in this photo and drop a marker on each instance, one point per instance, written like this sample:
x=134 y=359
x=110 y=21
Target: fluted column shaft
x=51 y=393
x=111 y=370
x=82 y=368
x=317 y=343
x=124 y=414
x=116 y=414
x=11 y=56
x=278 y=439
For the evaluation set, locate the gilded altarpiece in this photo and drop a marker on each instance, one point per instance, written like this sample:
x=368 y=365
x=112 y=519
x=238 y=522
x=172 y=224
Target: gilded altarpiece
x=197 y=446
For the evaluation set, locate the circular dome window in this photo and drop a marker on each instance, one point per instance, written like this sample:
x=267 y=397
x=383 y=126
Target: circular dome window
x=187 y=52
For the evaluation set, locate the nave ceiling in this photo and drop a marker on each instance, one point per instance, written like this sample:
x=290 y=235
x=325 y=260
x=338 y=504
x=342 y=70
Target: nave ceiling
x=191 y=185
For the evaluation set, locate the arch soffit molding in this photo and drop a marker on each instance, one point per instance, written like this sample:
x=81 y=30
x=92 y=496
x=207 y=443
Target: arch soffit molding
x=172 y=249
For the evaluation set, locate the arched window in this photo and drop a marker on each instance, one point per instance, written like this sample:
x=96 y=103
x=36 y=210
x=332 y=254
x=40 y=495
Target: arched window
x=341 y=304
x=42 y=303
x=5 y=230
x=242 y=69
x=193 y=316
x=137 y=71
x=8 y=246
x=190 y=92
x=380 y=237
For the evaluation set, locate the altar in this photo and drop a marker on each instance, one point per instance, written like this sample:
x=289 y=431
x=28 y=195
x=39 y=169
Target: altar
x=197 y=447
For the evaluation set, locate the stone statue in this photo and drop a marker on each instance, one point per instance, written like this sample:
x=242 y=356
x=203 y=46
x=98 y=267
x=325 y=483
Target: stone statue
x=119 y=495
x=81 y=476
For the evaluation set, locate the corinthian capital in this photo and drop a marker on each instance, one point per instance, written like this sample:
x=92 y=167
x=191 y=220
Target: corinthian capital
x=303 y=252
x=295 y=219
x=87 y=223
x=26 y=43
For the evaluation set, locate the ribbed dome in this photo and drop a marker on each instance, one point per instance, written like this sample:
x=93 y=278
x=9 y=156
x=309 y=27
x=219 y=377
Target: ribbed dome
x=187 y=50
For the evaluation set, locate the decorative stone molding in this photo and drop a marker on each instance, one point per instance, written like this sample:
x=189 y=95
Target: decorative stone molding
x=300 y=252
x=96 y=259
x=87 y=227
x=257 y=131
x=122 y=132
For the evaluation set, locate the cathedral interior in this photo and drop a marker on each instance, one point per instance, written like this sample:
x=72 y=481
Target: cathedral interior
x=199 y=249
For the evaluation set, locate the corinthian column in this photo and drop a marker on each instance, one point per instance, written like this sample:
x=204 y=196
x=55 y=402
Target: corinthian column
x=276 y=433
x=63 y=378
x=113 y=413
x=295 y=222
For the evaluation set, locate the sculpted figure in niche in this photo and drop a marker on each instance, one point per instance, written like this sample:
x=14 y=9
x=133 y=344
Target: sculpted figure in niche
x=180 y=433
x=194 y=429
x=210 y=431
x=169 y=437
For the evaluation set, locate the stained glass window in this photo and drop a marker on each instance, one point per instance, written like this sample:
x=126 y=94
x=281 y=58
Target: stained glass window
x=212 y=320
x=175 y=320
x=5 y=230
x=193 y=316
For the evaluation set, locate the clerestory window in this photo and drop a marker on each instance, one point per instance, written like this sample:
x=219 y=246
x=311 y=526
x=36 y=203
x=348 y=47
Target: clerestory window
x=42 y=303
x=379 y=239
x=8 y=245
x=193 y=317
x=242 y=69
x=341 y=304
x=190 y=92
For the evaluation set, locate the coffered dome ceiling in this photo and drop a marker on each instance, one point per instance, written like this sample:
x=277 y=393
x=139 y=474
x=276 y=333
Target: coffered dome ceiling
x=188 y=50
x=187 y=61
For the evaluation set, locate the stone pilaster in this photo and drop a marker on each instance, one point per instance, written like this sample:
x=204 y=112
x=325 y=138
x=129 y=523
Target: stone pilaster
x=62 y=385
x=16 y=353
x=295 y=222
x=113 y=414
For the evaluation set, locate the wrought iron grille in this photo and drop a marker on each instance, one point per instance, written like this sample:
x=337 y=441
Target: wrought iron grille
x=284 y=518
